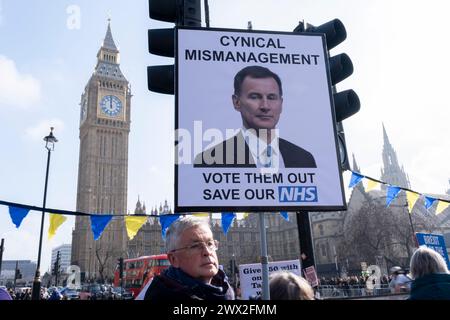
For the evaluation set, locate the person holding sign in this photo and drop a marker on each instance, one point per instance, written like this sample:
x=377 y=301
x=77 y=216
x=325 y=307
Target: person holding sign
x=194 y=273
x=258 y=97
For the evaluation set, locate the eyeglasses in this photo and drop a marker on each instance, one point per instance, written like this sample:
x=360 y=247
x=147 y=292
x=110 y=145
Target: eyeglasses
x=211 y=245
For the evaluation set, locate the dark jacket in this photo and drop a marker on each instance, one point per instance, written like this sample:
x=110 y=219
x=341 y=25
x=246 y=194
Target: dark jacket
x=175 y=285
x=435 y=286
x=235 y=153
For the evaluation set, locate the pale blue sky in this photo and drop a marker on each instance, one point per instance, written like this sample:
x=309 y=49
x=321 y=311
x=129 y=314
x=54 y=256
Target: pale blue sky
x=398 y=48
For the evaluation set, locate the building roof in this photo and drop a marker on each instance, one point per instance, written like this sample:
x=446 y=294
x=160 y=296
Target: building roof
x=108 y=42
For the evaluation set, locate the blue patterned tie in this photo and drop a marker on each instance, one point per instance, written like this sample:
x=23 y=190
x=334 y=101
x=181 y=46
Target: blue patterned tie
x=269 y=156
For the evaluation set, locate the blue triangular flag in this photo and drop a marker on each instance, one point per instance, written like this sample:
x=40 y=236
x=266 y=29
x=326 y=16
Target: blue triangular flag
x=285 y=215
x=227 y=219
x=429 y=202
x=392 y=193
x=166 y=221
x=98 y=224
x=355 y=179
x=17 y=214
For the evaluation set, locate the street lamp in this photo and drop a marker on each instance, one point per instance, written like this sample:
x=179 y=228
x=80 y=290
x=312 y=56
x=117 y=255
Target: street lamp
x=89 y=268
x=50 y=141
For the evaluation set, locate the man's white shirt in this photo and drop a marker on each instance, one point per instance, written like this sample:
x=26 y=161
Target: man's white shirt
x=258 y=149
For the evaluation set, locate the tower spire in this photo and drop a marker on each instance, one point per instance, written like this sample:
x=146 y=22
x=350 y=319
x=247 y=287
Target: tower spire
x=108 y=58
x=108 y=42
x=385 y=136
x=392 y=172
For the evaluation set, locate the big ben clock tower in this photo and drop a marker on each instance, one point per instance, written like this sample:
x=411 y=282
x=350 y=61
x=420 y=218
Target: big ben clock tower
x=103 y=164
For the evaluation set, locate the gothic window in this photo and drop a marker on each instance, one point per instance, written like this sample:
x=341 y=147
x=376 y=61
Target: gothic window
x=104 y=145
x=113 y=145
x=321 y=229
x=111 y=182
x=323 y=250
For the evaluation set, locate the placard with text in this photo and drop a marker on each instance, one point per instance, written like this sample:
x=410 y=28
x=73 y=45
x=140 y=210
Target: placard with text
x=255 y=128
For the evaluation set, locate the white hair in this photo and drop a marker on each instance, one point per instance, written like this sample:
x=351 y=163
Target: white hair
x=177 y=228
x=426 y=261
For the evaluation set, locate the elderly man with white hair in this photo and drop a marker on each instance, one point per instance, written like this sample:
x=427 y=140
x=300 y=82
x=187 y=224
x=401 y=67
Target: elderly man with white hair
x=431 y=275
x=194 y=273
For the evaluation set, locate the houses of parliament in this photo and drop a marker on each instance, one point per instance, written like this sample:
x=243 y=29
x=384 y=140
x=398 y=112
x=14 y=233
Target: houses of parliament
x=105 y=113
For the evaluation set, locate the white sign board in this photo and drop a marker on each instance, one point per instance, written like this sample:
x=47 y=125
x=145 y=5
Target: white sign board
x=250 y=275
x=255 y=125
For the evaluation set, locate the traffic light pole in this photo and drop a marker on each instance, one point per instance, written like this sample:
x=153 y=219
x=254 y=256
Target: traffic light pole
x=206 y=13
x=305 y=239
x=265 y=292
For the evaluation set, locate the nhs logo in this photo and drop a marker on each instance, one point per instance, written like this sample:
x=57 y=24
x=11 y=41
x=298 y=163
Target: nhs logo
x=297 y=194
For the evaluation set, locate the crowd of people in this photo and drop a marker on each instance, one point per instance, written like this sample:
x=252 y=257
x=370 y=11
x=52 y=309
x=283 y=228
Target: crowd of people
x=194 y=273
x=25 y=294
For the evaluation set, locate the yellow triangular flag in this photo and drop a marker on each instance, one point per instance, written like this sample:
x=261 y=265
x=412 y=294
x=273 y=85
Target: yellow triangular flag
x=371 y=184
x=56 y=220
x=442 y=206
x=245 y=216
x=412 y=198
x=133 y=224
x=201 y=214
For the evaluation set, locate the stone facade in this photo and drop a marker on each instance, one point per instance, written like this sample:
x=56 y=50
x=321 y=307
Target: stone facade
x=103 y=162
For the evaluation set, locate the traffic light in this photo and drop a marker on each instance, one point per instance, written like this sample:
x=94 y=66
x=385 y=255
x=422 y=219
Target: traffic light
x=346 y=103
x=120 y=261
x=18 y=274
x=161 y=42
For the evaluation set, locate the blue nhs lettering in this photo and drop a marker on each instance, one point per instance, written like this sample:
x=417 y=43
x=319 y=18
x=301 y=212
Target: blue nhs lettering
x=297 y=194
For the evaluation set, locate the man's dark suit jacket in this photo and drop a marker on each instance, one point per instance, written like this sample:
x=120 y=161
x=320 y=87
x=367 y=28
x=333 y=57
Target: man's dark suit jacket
x=229 y=154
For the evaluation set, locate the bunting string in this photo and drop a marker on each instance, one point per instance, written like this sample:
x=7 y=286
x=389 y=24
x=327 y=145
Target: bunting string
x=99 y=221
x=134 y=223
x=393 y=191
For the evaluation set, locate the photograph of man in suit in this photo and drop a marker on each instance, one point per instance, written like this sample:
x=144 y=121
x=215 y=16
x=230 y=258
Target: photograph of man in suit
x=258 y=96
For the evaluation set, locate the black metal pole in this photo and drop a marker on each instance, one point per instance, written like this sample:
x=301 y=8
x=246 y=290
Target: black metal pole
x=206 y=13
x=36 y=293
x=305 y=239
x=412 y=226
x=89 y=268
x=15 y=274
x=2 y=245
x=56 y=269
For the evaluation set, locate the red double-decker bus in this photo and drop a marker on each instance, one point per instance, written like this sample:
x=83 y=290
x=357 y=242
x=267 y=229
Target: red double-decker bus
x=138 y=271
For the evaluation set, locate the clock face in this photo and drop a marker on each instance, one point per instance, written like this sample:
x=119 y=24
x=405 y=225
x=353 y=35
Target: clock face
x=111 y=105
